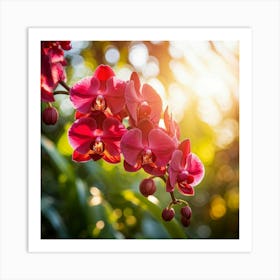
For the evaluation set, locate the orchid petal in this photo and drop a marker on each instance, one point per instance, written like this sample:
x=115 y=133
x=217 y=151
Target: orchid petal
x=103 y=72
x=195 y=168
x=132 y=100
x=145 y=126
x=161 y=145
x=56 y=55
x=80 y=134
x=130 y=168
x=154 y=170
x=113 y=129
x=78 y=157
x=46 y=95
x=135 y=78
x=83 y=93
x=131 y=146
x=175 y=167
x=185 y=188
x=185 y=147
x=111 y=158
x=115 y=95
x=154 y=100
x=58 y=73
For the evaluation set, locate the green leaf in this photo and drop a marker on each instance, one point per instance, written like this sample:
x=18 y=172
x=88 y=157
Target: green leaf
x=53 y=216
x=59 y=161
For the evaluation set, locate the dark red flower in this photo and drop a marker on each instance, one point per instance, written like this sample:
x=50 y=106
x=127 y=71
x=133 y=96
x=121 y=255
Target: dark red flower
x=186 y=169
x=142 y=103
x=96 y=137
x=148 y=147
x=52 y=67
x=98 y=92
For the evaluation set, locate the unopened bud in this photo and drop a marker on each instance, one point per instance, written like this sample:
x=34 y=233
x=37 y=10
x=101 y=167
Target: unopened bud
x=186 y=212
x=185 y=221
x=168 y=214
x=147 y=187
x=50 y=116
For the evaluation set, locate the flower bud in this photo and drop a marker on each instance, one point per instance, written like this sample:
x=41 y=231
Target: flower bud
x=186 y=212
x=50 y=116
x=185 y=221
x=147 y=187
x=168 y=214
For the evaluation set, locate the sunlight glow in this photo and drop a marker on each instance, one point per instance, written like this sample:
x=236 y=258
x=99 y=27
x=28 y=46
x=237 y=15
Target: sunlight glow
x=226 y=132
x=209 y=112
x=100 y=224
x=130 y=220
x=112 y=55
x=96 y=198
x=138 y=55
x=218 y=207
x=151 y=69
x=153 y=199
x=177 y=101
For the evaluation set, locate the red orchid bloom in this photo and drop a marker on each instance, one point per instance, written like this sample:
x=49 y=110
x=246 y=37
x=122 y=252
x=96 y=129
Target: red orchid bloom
x=186 y=169
x=98 y=92
x=147 y=147
x=96 y=137
x=52 y=63
x=142 y=103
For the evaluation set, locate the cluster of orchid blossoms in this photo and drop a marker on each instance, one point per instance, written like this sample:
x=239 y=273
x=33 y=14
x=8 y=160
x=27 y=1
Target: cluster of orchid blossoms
x=52 y=74
x=115 y=117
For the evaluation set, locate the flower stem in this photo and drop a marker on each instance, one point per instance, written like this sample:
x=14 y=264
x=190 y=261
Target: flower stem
x=174 y=201
x=64 y=85
x=61 y=92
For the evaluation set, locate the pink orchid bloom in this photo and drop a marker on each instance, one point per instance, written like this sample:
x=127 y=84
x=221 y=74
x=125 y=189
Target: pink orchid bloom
x=52 y=67
x=186 y=169
x=147 y=147
x=98 y=92
x=96 y=137
x=142 y=103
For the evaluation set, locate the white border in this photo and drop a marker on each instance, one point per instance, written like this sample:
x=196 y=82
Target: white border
x=244 y=243
x=263 y=261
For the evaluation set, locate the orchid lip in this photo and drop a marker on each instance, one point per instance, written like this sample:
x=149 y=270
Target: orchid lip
x=97 y=147
x=99 y=104
x=144 y=109
x=183 y=176
x=147 y=157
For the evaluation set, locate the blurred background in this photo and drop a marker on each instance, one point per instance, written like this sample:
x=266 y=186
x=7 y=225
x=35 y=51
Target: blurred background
x=199 y=81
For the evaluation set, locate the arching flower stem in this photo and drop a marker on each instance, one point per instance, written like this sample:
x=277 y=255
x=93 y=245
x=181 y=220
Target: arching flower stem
x=61 y=92
x=64 y=85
